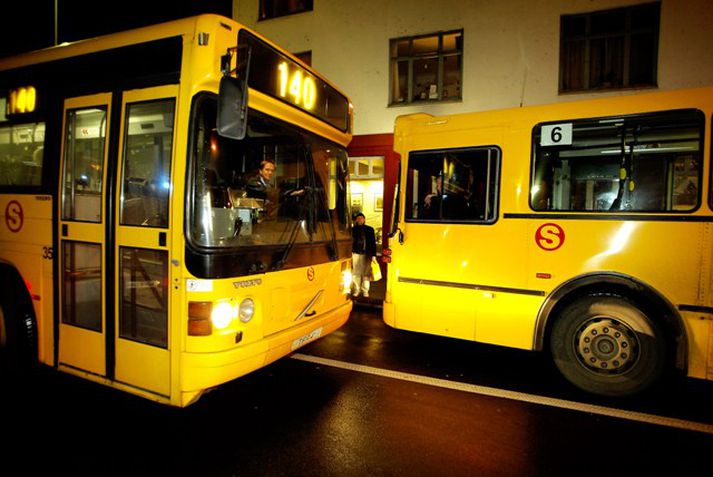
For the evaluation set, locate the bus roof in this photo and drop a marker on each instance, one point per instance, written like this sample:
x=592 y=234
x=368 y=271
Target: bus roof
x=639 y=102
x=105 y=42
x=185 y=26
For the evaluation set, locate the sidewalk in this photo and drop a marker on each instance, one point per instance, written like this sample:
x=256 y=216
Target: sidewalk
x=377 y=292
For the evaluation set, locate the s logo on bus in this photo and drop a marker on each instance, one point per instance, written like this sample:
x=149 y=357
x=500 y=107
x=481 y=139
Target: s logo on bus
x=14 y=216
x=549 y=237
x=310 y=274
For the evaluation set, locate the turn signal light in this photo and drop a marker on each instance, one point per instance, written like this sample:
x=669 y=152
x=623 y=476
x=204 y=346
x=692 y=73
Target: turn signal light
x=199 y=313
x=386 y=255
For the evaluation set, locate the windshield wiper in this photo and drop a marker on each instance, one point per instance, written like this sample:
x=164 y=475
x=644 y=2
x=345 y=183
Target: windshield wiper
x=294 y=233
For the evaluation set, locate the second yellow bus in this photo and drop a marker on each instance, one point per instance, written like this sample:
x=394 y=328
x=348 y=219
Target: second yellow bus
x=583 y=229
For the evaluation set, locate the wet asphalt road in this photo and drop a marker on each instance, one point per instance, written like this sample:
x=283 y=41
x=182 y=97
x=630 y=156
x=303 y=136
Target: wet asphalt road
x=297 y=418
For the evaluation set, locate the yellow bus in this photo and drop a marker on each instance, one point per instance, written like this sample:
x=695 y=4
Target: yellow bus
x=582 y=229
x=173 y=207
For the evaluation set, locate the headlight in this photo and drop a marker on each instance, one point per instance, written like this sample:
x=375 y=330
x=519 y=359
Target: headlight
x=246 y=310
x=346 y=281
x=223 y=313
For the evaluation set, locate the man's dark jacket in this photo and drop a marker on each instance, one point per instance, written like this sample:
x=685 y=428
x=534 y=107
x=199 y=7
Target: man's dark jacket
x=363 y=240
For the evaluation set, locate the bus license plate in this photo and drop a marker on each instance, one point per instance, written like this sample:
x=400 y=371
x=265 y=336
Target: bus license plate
x=303 y=340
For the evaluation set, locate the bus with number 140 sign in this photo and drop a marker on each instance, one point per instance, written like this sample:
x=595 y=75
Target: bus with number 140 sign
x=173 y=207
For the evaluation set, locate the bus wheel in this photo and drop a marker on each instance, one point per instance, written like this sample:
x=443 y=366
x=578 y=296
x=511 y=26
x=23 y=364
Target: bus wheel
x=18 y=347
x=604 y=344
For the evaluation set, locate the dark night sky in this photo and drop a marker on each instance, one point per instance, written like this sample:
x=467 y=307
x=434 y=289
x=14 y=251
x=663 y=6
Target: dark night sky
x=29 y=24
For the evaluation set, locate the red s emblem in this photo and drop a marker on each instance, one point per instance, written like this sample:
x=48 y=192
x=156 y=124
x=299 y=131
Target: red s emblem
x=549 y=237
x=14 y=217
x=310 y=274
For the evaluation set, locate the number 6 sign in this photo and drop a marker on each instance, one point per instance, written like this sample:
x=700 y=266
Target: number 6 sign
x=556 y=135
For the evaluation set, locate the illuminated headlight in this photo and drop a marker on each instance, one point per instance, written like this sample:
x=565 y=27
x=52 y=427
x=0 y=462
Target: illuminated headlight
x=346 y=281
x=246 y=310
x=222 y=314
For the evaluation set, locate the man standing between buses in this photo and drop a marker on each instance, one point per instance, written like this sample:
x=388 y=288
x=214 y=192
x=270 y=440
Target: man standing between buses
x=363 y=249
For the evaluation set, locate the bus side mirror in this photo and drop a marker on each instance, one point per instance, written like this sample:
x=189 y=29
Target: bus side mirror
x=232 y=107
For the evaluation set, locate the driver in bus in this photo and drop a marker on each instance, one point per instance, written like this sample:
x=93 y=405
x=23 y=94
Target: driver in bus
x=448 y=206
x=259 y=184
x=432 y=201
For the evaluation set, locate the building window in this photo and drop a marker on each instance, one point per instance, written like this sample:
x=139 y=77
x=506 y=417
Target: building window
x=305 y=57
x=280 y=8
x=426 y=68
x=609 y=49
x=366 y=167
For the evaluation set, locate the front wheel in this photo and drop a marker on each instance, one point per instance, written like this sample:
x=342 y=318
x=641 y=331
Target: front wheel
x=606 y=345
x=18 y=347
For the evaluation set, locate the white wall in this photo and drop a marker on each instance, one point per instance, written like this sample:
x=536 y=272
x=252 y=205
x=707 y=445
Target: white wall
x=511 y=48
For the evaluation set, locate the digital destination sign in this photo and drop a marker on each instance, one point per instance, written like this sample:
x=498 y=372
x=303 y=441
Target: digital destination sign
x=21 y=100
x=277 y=75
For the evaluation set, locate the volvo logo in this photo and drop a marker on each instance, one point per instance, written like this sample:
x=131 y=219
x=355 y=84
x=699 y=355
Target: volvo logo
x=248 y=283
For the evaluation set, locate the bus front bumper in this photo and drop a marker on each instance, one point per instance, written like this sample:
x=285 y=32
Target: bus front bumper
x=201 y=371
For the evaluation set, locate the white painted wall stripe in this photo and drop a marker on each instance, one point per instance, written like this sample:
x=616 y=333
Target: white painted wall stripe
x=513 y=395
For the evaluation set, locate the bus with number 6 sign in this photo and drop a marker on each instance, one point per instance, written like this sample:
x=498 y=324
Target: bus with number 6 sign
x=582 y=229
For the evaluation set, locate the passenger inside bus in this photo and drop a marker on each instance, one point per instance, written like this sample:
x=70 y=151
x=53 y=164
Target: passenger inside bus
x=457 y=186
x=448 y=204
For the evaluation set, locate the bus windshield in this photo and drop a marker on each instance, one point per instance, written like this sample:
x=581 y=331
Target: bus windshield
x=278 y=187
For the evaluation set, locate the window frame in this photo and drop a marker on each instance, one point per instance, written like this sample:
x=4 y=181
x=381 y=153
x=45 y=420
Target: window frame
x=45 y=186
x=208 y=261
x=496 y=193
x=439 y=54
x=66 y=311
x=124 y=160
x=304 y=56
x=632 y=117
x=370 y=163
x=126 y=305
x=628 y=32
x=66 y=161
x=308 y=6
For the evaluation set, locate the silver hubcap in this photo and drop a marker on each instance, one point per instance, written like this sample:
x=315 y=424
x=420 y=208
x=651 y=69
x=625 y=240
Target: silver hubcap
x=606 y=346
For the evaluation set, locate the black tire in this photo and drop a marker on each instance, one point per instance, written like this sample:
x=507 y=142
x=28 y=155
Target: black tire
x=18 y=332
x=606 y=345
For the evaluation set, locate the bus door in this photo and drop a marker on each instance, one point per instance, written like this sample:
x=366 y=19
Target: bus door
x=82 y=244
x=448 y=259
x=143 y=234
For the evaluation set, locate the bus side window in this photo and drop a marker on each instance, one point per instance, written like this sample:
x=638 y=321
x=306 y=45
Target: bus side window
x=642 y=163
x=21 y=154
x=458 y=185
x=147 y=163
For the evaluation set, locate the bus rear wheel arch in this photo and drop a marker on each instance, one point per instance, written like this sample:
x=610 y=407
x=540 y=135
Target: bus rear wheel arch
x=18 y=327
x=607 y=345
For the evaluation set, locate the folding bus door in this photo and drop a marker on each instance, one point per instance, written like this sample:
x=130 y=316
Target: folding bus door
x=143 y=234
x=82 y=234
